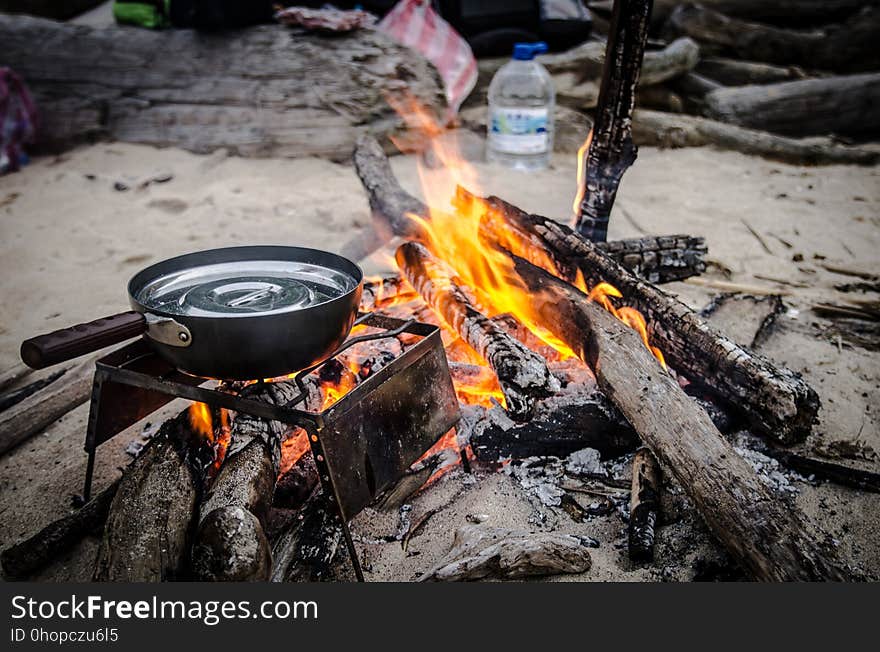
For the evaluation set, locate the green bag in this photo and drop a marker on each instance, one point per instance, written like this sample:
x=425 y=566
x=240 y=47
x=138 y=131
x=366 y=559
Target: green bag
x=152 y=14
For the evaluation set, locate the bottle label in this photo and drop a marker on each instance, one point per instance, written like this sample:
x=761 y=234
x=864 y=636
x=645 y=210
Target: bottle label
x=518 y=131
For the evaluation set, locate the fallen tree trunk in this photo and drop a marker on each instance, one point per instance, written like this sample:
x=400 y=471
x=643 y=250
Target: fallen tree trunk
x=41 y=549
x=262 y=91
x=659 y=259
x=770 y=539
x=843 y=105
x=611 y=150
x=820 y=11
x=577 y=72
x=37 y=412
x=523 y=374
x=734 y=72
x=666 y=130
x=230 y=542
x=847 y=47
x=146 y=536
x=776 y=401
x=644 y=505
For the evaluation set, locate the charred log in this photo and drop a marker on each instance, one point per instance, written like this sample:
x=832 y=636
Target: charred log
x=523 y=374
x=611 y=149
x=38 y=551
x=306 y=549
x=776 y=401
x=644 y=505
x=146 y=536
x=239 y=498
x=767 y=537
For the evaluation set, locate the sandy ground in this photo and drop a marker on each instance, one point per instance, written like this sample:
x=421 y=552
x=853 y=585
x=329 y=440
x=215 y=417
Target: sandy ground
x=69 y=242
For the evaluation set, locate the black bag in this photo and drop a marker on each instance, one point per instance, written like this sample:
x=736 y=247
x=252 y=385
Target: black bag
x=491 y=27
x=219 y=14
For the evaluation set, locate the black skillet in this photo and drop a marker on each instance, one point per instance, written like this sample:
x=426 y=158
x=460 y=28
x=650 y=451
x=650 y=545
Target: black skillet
x=238 y=313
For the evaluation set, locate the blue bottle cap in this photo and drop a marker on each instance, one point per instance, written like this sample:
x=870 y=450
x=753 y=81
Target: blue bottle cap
x=527 y=51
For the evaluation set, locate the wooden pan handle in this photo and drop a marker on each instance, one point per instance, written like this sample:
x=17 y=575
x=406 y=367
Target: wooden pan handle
x=68 y=343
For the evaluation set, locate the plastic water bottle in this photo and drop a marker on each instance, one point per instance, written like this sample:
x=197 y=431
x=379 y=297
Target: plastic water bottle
x=521 y=103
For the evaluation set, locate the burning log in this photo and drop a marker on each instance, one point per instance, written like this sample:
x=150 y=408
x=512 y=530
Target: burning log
x=767 y=537
x=37 y=412
x=611 y=150
x=39 y=550
x=806 y=107
x=230 y=543
x=659 y=259
x=523 y=374
x=644 y=505
x=666 y=130
x=147 y=531
x=776 y=401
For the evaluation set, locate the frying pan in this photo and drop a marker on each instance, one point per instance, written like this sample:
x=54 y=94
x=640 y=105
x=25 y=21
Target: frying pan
x=238 y=313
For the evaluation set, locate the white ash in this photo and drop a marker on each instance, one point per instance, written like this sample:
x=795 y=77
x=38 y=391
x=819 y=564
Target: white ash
x=586 y=461
x=539 y=477
x=778 y=478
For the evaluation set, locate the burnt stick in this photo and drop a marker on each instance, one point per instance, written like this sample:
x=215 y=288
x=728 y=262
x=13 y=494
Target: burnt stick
x=644 y=505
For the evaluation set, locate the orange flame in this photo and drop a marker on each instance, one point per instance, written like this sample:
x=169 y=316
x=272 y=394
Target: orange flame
x=454 y=237
x=581 y=175
x=629 y=316
x=202 y=423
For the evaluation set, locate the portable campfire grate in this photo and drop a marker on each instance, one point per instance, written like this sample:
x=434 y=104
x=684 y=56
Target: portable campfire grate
x=362 y=443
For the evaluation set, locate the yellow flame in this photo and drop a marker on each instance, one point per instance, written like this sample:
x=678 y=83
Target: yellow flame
x=581 y=175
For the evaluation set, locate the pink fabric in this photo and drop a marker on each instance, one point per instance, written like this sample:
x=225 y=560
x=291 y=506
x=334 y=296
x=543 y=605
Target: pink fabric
x=325 y=20
x=18 y=117
x=414 y=23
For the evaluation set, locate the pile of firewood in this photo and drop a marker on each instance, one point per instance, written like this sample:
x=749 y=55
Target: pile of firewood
x=795 y=81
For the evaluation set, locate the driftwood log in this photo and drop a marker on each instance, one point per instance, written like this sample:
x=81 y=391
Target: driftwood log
x=770 y=539
x=263 y=91
x=660 y=129
x=480 y=552
x=845 y=105
x=818 y=11
x=644 y=505
x=577 y=72
x=14 y=396
x=734 y=72
x=230 y=542
x=41 y=549
x=146 y=537
x=11 y=376
x=850 y=46
x=522 y=373
x=777 y=402
x=37 y=412
x=611 y=150
x=658 y=259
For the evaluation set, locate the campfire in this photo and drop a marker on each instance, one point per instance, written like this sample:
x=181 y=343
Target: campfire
x=500 y=336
